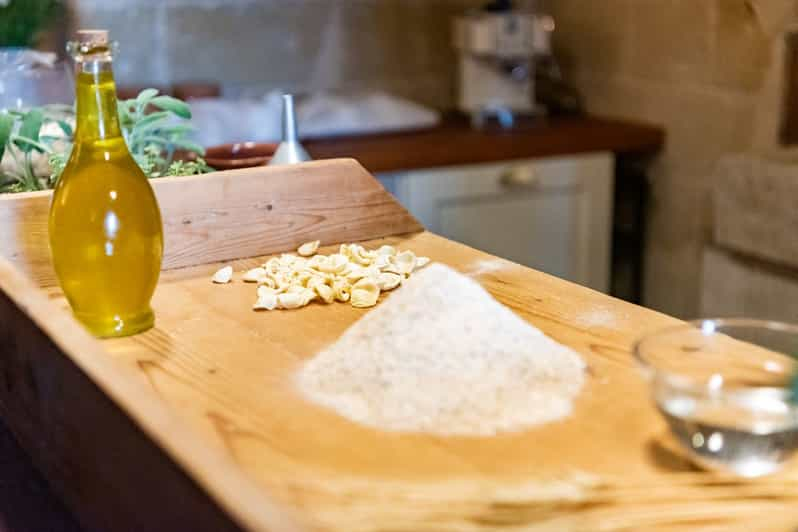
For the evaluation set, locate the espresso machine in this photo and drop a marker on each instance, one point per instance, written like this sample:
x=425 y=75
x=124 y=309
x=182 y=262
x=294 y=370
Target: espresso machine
x=498 y=47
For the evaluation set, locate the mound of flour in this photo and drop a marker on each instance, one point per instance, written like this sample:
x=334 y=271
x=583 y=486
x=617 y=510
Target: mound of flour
x=440 y=355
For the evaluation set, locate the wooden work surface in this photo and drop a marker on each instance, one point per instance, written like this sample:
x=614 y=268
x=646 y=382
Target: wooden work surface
x=229 y=370
x=199 y=418
x=455 y=142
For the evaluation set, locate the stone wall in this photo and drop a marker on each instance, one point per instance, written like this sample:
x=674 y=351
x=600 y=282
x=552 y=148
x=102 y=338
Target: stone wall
x=736 y=286
x=300 y=45
x=710 y=71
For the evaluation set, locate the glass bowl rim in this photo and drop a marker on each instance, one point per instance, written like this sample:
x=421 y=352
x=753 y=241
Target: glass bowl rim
x=687 y=382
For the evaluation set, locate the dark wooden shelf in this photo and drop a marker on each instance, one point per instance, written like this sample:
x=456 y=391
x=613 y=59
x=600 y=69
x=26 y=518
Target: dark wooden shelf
x=455 y=142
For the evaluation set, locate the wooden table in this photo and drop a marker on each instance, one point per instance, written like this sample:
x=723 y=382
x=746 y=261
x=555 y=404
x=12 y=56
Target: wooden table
x=28 y=503
x=455 y=142
x=195 y=425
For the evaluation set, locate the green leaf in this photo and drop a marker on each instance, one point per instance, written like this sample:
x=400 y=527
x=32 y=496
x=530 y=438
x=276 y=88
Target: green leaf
x=176 y=131
x=150 y=121
x=145 y=96
x=27 y=145
x=206 y=168
x=178 y=107
x=6 y=125
x=125 y=120
x=11 y=187
x=190 y=146
x=128 y=105
x=65 y=127
x=152 y=139
x=29 y=131
x=31 y=124
x=57 y=162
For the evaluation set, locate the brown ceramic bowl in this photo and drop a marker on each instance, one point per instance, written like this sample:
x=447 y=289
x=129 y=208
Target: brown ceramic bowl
x=240 y=155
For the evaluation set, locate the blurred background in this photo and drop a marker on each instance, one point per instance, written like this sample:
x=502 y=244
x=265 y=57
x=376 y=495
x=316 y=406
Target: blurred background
x=710 y=221
x=643 y=148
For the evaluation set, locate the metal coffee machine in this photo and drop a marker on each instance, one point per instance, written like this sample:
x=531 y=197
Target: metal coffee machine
x=497 y=48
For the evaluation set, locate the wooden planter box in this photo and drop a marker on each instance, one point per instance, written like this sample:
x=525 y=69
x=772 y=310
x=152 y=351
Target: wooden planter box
x=195 y=424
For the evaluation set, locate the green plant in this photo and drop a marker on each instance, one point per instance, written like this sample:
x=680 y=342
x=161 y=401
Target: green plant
x=22 y=20
x=154 y=127
x=38 y=142
x=28 y=138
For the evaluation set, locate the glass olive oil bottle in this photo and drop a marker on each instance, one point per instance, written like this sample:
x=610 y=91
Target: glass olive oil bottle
x=105 y=226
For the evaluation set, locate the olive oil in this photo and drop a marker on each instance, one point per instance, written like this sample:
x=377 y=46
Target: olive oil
x=105 y=226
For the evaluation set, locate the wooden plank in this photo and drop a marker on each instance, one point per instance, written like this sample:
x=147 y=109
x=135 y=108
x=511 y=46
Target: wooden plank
x=63 y=397
x=209 y=392
x=27 y=502
x=610 y=466
x=233 y=214
x=455 y=142
x=23 y=234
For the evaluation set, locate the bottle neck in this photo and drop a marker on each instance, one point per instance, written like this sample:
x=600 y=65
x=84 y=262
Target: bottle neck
x=97 y=115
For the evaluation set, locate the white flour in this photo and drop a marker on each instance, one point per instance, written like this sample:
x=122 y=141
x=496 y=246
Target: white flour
x=597 y=317
x=489 y=266
x=442 y=356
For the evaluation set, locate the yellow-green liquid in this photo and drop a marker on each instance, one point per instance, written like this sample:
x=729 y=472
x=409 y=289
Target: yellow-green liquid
x=105 y=225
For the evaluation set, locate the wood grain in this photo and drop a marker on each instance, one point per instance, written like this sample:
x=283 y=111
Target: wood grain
x=61 y=395
x=232 y=214
x=608 y=467
x=455 y=142
x=206 y=400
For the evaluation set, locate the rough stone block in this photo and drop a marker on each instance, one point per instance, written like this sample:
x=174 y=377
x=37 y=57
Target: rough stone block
x=671 y=40
x=755 y=210
x=742 y=48
x=592 y=36
x=139 y=31
x=734 y=286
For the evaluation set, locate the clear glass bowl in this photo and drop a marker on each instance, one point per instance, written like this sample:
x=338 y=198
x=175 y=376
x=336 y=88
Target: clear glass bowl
x=724 y=387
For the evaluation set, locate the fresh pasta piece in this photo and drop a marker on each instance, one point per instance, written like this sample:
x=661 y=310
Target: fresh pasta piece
x=308 y=248
x=223 y=275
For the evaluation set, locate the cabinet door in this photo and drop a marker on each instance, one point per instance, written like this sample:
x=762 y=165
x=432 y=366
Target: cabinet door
x=550 y=214
x=532 y=229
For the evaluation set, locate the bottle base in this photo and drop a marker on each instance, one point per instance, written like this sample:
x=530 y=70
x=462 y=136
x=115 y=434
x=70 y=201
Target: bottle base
x=116 y=326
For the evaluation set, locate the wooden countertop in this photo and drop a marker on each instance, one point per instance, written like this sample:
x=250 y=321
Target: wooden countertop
x=455 y=142
x=199 y=422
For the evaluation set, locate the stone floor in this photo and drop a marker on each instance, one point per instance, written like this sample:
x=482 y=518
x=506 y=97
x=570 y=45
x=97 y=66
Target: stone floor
x=26 y=502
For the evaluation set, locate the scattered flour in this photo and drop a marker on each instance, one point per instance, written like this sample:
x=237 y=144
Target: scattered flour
x=489 y=266
x=597 y=317
x=440 y=355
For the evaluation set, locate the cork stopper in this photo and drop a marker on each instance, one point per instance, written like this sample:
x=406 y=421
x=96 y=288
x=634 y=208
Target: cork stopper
x=92 y=38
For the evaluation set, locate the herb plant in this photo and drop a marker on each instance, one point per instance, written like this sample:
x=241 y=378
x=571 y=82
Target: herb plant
x=26 y=138
x=38 y=142
x=153 y=137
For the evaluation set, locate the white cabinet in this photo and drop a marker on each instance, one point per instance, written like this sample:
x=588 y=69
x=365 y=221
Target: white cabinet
x=552 y=214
